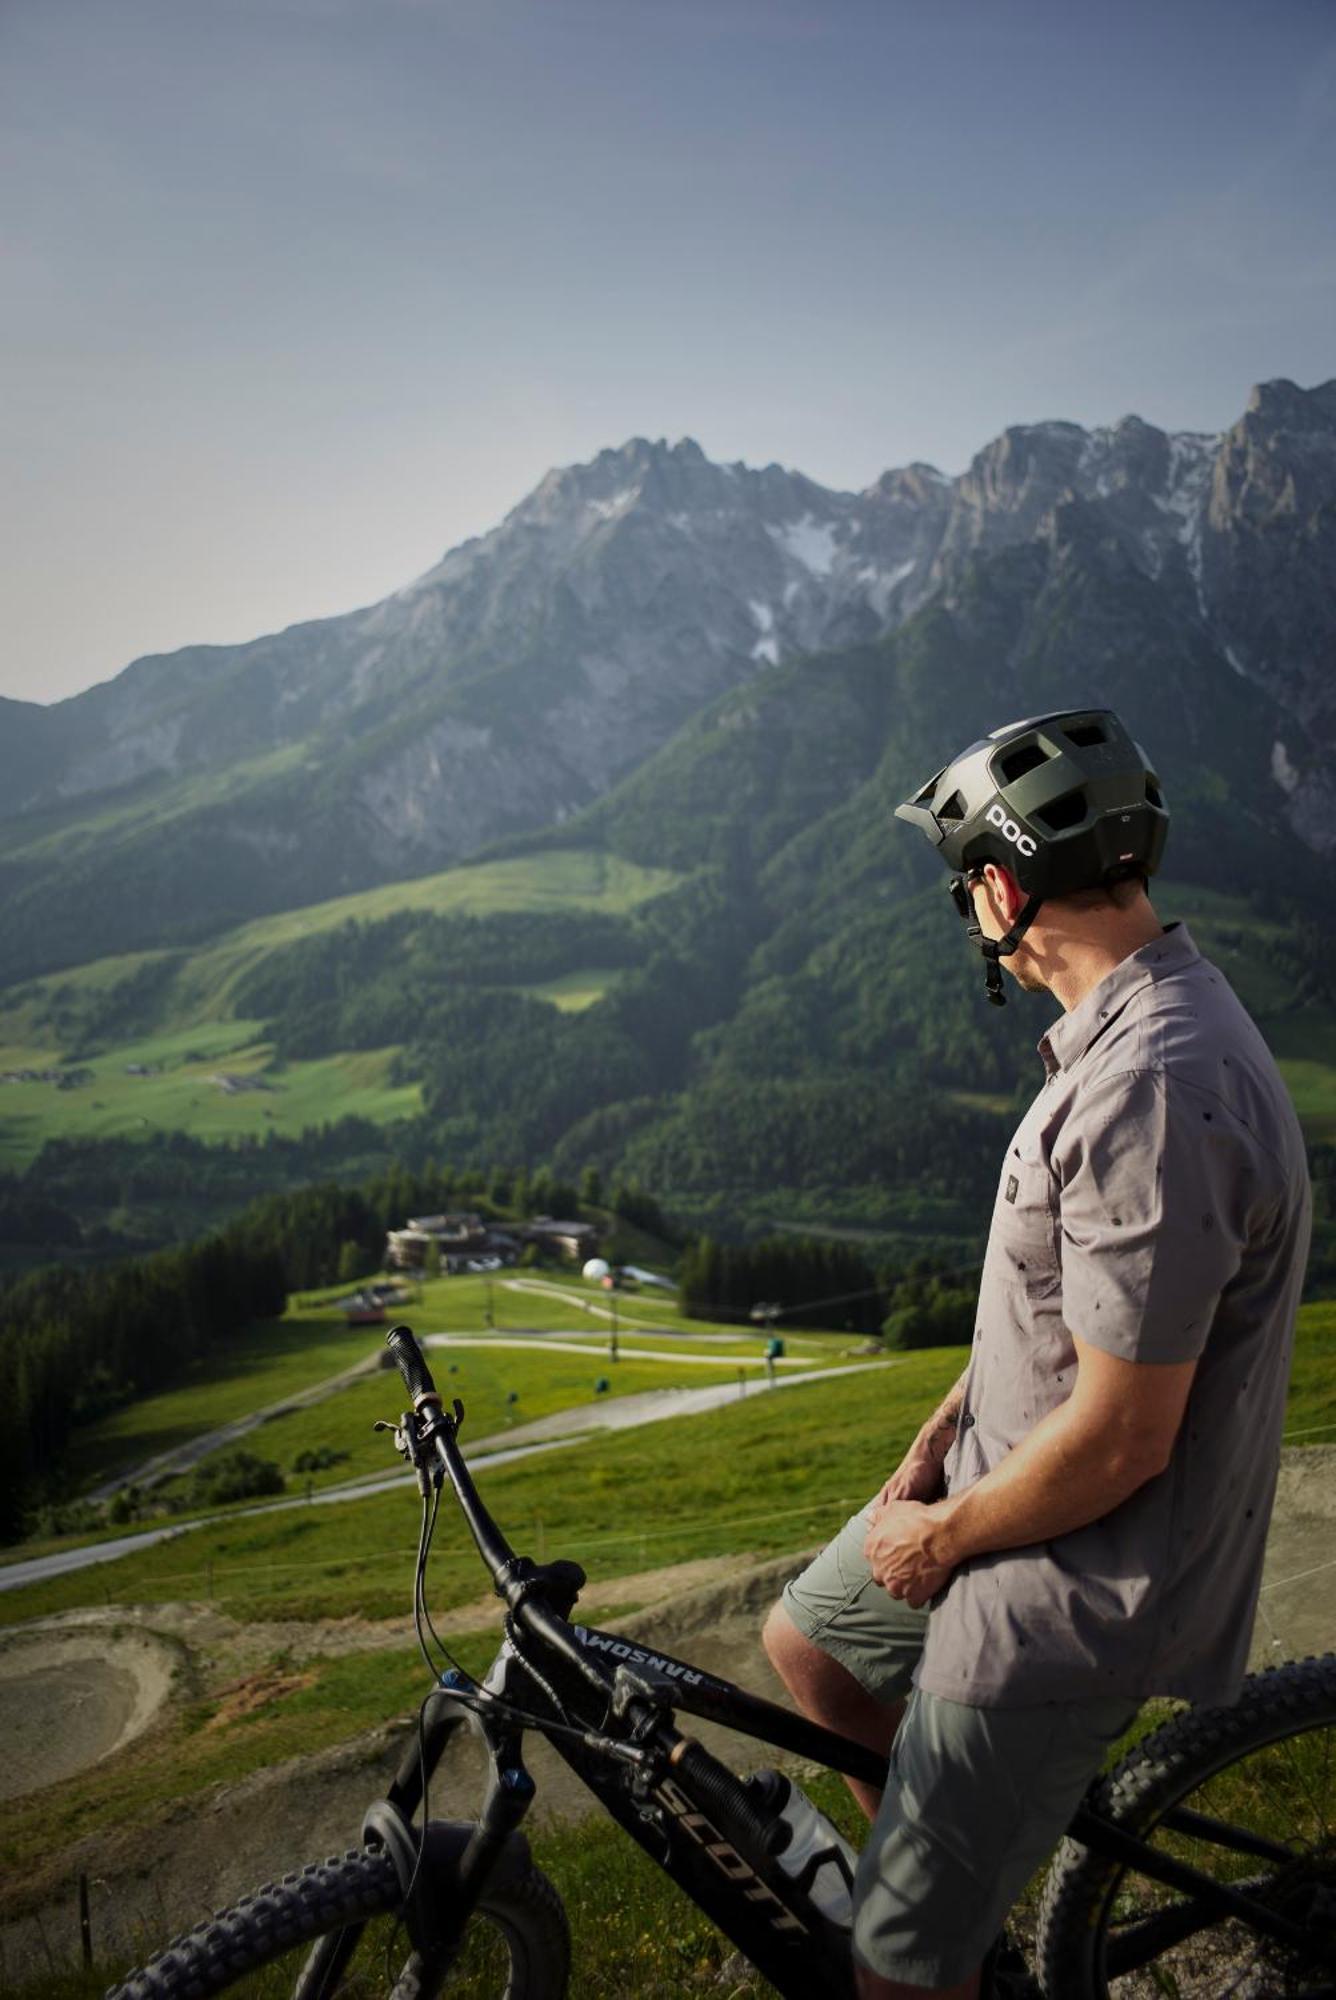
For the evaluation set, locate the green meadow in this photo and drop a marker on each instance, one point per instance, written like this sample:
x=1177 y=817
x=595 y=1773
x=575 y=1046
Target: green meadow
x=566 y=879
x=201 y=1038
x=502 y=1384
x=182 y=1091
x=763 y=1474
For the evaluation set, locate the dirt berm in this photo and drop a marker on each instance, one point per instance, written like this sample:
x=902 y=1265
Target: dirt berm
x=115 y=1674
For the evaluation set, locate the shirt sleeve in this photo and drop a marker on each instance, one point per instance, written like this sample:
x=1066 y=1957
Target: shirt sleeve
x=1151 y=1207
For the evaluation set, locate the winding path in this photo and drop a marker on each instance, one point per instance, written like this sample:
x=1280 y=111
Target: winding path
x=560 y=1430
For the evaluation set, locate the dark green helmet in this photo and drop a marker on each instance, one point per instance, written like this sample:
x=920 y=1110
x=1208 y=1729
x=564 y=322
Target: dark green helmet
x=1065 y=801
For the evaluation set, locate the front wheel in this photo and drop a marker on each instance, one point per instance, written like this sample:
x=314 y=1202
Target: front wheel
x=1246 y=1795
x=516 y=1945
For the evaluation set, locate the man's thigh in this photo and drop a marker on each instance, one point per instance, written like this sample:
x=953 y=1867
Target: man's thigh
x=838 y=1605
x=975 y=1798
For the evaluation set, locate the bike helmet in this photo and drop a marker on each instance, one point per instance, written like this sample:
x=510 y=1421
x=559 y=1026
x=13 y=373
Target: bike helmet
x=1065 y=802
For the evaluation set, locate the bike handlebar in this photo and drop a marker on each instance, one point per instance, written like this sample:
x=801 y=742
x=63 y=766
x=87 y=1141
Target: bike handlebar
x=525 y=1593
x=493 y=1547
x=509 y=1571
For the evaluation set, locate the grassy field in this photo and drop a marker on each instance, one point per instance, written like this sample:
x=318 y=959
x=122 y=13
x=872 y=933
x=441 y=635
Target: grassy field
x=266 y=1363
x=1312 y=1085
x=180 y=1093
x=202 y=1037
x=567 y=879
x=485 y=1378
x=573 y=991
x=312 y=1344
x=763 y=1474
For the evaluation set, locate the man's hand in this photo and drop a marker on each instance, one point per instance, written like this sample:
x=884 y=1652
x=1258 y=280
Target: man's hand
x=901 y=1550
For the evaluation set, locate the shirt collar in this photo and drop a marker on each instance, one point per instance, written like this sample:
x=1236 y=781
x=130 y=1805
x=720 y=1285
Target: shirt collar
x=1063 y=1045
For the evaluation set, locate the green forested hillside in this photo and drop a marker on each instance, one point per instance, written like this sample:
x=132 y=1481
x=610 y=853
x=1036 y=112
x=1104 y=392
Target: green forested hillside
x=783 y=1021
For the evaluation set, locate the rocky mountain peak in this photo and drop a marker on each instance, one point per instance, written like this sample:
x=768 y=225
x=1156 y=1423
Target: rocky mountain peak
x=1269 y=575
x=912 y=486
x=1283 y=405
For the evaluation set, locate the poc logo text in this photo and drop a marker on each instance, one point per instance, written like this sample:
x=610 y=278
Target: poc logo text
x=1009 y=829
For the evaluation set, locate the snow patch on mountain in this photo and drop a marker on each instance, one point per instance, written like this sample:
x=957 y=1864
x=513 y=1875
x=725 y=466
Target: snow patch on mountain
x=767 y=646
x=1093 y=463
x=881 y=583
x=616 y=503
x=809 y=542
x=1192 y=457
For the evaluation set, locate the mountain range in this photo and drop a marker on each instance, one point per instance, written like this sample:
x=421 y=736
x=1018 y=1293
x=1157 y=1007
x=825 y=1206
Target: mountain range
x=534 y=668
x=729 y=677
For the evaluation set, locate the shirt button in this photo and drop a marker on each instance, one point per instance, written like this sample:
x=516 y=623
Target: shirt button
x=966 y=1421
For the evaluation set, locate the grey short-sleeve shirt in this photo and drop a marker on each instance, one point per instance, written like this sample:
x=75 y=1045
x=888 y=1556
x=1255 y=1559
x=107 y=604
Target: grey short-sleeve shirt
x=1154 y=1200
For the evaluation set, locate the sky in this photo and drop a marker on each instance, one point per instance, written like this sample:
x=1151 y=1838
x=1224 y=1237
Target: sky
x=297 y=294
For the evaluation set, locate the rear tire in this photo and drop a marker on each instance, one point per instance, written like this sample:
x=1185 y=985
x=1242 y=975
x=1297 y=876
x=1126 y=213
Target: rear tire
x=1267 y=1765
x=516 y=1945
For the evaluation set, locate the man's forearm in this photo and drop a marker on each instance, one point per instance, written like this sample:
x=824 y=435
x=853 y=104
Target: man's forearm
x=1067 y=1472
x=939 y=1433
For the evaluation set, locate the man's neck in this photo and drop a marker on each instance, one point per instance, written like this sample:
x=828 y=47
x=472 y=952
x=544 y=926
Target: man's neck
x=1074 y=962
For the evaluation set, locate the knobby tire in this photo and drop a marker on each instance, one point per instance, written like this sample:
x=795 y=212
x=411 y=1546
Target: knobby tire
x=1269 y=1765
x=234 y=1950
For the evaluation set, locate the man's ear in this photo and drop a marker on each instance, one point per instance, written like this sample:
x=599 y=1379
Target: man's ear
x=1009 y=898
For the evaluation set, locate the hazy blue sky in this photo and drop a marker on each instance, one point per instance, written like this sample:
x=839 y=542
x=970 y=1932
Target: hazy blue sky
x=299 y=293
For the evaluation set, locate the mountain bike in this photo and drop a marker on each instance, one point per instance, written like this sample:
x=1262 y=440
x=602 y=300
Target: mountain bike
x=1203 y=1864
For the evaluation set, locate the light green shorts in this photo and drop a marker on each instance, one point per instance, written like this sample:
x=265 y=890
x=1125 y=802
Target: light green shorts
x=975 y=1798
x=836 y=1604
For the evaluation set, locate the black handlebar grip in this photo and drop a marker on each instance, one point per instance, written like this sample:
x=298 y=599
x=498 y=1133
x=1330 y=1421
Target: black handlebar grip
x=412 y=1366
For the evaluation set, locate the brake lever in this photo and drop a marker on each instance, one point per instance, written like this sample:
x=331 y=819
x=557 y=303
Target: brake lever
x=408 y=1442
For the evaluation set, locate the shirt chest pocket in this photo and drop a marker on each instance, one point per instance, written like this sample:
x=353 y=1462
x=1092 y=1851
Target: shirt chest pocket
x=1024 y=1239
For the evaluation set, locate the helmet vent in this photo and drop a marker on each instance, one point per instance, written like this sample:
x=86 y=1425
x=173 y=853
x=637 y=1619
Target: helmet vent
x=1084 y=734
x=1028 y=758
x=1067 y=811
x=1153 y=796
x=953 y=809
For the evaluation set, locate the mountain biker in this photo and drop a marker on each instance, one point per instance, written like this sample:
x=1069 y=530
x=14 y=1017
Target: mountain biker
x=1082 y=1522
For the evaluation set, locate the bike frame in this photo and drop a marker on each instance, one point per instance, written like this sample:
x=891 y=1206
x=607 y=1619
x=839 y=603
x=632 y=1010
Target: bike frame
x=725 y=1868
x=608 y=1706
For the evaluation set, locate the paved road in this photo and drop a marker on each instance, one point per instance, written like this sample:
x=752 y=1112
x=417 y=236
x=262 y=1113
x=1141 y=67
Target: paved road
x=182 y=1456
x=562 y=1429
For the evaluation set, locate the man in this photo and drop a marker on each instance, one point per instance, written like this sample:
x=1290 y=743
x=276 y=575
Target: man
x=1084 y=1517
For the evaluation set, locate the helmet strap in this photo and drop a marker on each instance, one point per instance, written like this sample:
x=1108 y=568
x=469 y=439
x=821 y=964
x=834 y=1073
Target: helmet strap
x=995 y=948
